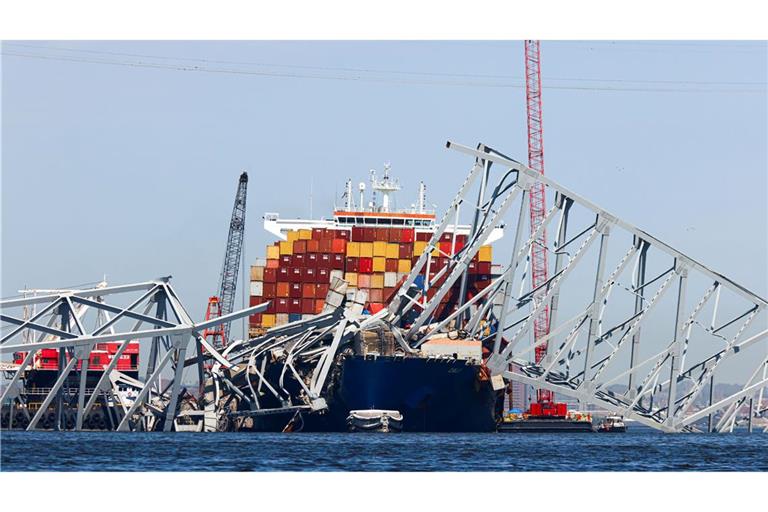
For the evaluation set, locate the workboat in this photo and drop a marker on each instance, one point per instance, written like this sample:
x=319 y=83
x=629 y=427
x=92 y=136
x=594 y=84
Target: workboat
x=612 y=424
x=441 y=387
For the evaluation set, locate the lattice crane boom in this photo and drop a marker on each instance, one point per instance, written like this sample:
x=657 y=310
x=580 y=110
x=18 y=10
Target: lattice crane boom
x=223 y=304
x=538 y=207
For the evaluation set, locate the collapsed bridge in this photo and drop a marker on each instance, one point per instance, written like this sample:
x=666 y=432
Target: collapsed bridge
x=635 y=327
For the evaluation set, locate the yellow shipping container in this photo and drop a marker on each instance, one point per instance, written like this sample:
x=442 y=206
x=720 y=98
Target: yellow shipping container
x=366 y=249
x=377 y=280
x=353 y=249
x=305 y=234
x=273 y=252
x=257 y=273
x=268 y=320
x=380 y=249
x=292 y=235
x=436 y=253
x=379 y=263
x=351 y=278
x=393 y=251
x=403 y=266
x=418 y=248
x=485 y=253
x=286 y=247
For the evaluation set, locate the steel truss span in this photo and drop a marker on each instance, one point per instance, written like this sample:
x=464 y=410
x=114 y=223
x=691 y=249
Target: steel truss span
x=636 y=327
x=74 y=322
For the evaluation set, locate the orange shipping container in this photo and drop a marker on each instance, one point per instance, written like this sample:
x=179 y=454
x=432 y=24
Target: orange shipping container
x=273 y=263
x=338 y=246
x=283 y=289
x=313 y=246
x=308 y=290
x=319 y=304
x=299 y=247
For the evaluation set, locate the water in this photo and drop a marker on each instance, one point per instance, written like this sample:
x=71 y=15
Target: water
x=640 y=449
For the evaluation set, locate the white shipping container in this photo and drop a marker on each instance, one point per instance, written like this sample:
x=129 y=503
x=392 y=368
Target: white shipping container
x=257 y=288
x=260 y=262
x=390 y=279
x=281 y=318
x=338 y=274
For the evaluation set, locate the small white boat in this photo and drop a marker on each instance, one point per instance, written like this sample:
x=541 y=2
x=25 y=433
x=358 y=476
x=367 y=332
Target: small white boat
x=612 y=423
x=375 y=420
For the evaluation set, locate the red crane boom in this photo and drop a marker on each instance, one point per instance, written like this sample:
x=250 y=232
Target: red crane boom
x=539 y=268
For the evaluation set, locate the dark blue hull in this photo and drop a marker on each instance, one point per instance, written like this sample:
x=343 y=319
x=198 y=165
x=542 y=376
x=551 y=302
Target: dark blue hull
x=433 y=395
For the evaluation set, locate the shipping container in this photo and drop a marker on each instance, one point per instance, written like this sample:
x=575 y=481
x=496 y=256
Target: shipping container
x=365 y=265
x=308 y=290
x=257 y=273
x=294 y=290
x=281 y=318
x=283 y=290
x=309 y=275
x=267 y=320
x=366 y=249
x=380 y=249
x=281 y=303
x=338 y=262
x=257 y=288
x=364 y=280
x=313 y=246
x=273 y=263
x=485 y=253
x=286 y=247
x=323 y=275
x=391 y=265
x=299 y=247
x=404 y=266
x=292 y=236
x=377 y=280
x=273 y=252
x=351 y=278
x=286 y=260
x=390 y=279
x=305 y=234
x=269 y=290
x=379 y=264
x=270 y=275
x=310 y=260
x=353 y=250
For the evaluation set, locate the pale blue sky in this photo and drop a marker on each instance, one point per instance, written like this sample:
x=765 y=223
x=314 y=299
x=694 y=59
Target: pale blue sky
x=121 y=158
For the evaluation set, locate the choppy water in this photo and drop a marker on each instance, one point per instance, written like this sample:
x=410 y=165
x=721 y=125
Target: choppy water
x=640 y=449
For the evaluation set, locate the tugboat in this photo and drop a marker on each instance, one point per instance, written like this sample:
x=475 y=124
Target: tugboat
x=612 y=423
x=375 y=420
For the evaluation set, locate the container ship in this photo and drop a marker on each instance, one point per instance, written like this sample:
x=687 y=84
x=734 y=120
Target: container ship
x=444 y=387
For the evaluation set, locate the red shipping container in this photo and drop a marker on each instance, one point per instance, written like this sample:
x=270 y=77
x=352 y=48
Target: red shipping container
x=299 y=247
x=423 y=236
x=326 y=245
x=562 y=409
x=394 y=235
x=313 y=246
x=283 y=274
x=307 y=306
x=352 y=264
x=308 y=290
x=344 y=234
x=269 y=290
x=446 y=237
x=328 y=234
x=405 y=251
x=472 y=267
x=321 y=290
x=365 y=265
x=271 y=309
x=295 y=291
x=286 y=260
x=445 y=248
x=294 y=275
x=294 y=306
x=309 y=275
x=389 y=293
x=319 y=304
x=255 y=320
x=483 y=267
x=407 y=235
x=270 y=275
x=299 y=260
x=323 y=275
x=317 y=233
x=358 y=234
x=338 y=246
x=338 y=262
x=325 y=261
x=381 y=235
x=281 y=305
x=369 y=235
x=310 y=260
x=390 y=265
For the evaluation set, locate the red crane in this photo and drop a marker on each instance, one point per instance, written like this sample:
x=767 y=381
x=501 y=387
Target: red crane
x=539 y=270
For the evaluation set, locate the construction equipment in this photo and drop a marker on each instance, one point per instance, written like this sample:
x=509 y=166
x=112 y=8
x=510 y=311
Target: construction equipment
x=538 y=208
x=223 y=303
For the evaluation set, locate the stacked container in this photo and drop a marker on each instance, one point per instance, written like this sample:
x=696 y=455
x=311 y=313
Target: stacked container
x=296 y=273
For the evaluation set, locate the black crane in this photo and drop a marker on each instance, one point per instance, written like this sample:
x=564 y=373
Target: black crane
x=224 y=302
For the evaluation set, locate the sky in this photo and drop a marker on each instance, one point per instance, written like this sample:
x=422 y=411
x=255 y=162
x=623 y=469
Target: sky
x=122 y=158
